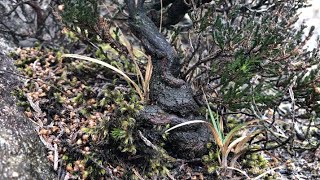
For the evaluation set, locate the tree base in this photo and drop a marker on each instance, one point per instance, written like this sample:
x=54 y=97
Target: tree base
x=186 y=142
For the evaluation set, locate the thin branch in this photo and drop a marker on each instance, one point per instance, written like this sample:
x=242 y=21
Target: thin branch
x=209 y=58
x=242 y=172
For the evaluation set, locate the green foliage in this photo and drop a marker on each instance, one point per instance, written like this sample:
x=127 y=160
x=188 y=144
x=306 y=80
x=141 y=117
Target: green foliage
x=256 y=163
x=125 y=109
x=92 y=115
x=211 y=159
x=119 y=71
x=122 y=127
x=80 y=12
x=157 y=168
x=259 y=56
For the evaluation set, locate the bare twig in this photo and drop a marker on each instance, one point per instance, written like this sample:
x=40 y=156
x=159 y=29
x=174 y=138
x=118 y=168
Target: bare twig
x=137 y=174
x=267 y=172
x=146 y=141
x=242 y=172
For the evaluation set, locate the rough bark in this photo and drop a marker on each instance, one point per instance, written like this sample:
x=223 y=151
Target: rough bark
x=174 y=13
x=173 y=96
x=22 y=155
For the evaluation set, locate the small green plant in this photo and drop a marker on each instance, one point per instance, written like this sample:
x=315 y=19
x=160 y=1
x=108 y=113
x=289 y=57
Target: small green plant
x=228 y=142
x=256 y=163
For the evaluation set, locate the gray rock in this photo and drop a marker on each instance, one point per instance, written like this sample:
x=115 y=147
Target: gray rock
x=20 y=20
x=22 y=155
x=29 y=42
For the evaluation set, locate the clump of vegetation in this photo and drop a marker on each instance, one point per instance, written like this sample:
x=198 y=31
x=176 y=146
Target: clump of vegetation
x=256 y=163
x=83 y=114
x=226 y=143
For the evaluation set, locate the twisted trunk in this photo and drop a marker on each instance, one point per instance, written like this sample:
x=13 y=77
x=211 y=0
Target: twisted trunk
x=172 y=96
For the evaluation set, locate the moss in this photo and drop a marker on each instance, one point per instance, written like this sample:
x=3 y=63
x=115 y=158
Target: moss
x=157 y=168
x=211 y=160
x=255 y=163
x=59 y=98
x=28 y=71
x=90 y=114
x=78 y=98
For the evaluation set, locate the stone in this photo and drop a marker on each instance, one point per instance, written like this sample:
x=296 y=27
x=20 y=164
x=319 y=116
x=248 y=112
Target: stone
x=22 y=155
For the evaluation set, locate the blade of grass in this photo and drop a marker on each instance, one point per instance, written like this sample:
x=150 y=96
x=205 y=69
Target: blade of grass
x=213 y=130
x=216 y=136
x=184 y=124
x=147 y=78
x=225 y=150
x=127 y=78
x=239 y=142
x=220 y=125
x=240 y=145
x=235 y=130
x=139 y=73
x=214 y=120
x=123 y=40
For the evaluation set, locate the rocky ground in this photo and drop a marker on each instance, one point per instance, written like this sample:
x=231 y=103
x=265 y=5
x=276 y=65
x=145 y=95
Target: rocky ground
x=22 y=155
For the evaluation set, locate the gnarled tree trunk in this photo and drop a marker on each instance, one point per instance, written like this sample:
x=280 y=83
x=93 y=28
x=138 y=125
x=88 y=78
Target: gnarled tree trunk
x=172 y=97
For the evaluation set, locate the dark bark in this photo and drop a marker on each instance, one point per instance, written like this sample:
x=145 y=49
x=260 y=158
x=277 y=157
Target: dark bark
x=173 y=96
x=175 y=12
x=156 y=4
x=185 y=142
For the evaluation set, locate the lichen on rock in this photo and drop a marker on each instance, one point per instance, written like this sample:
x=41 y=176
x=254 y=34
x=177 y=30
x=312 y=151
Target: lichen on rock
x=22 y=156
